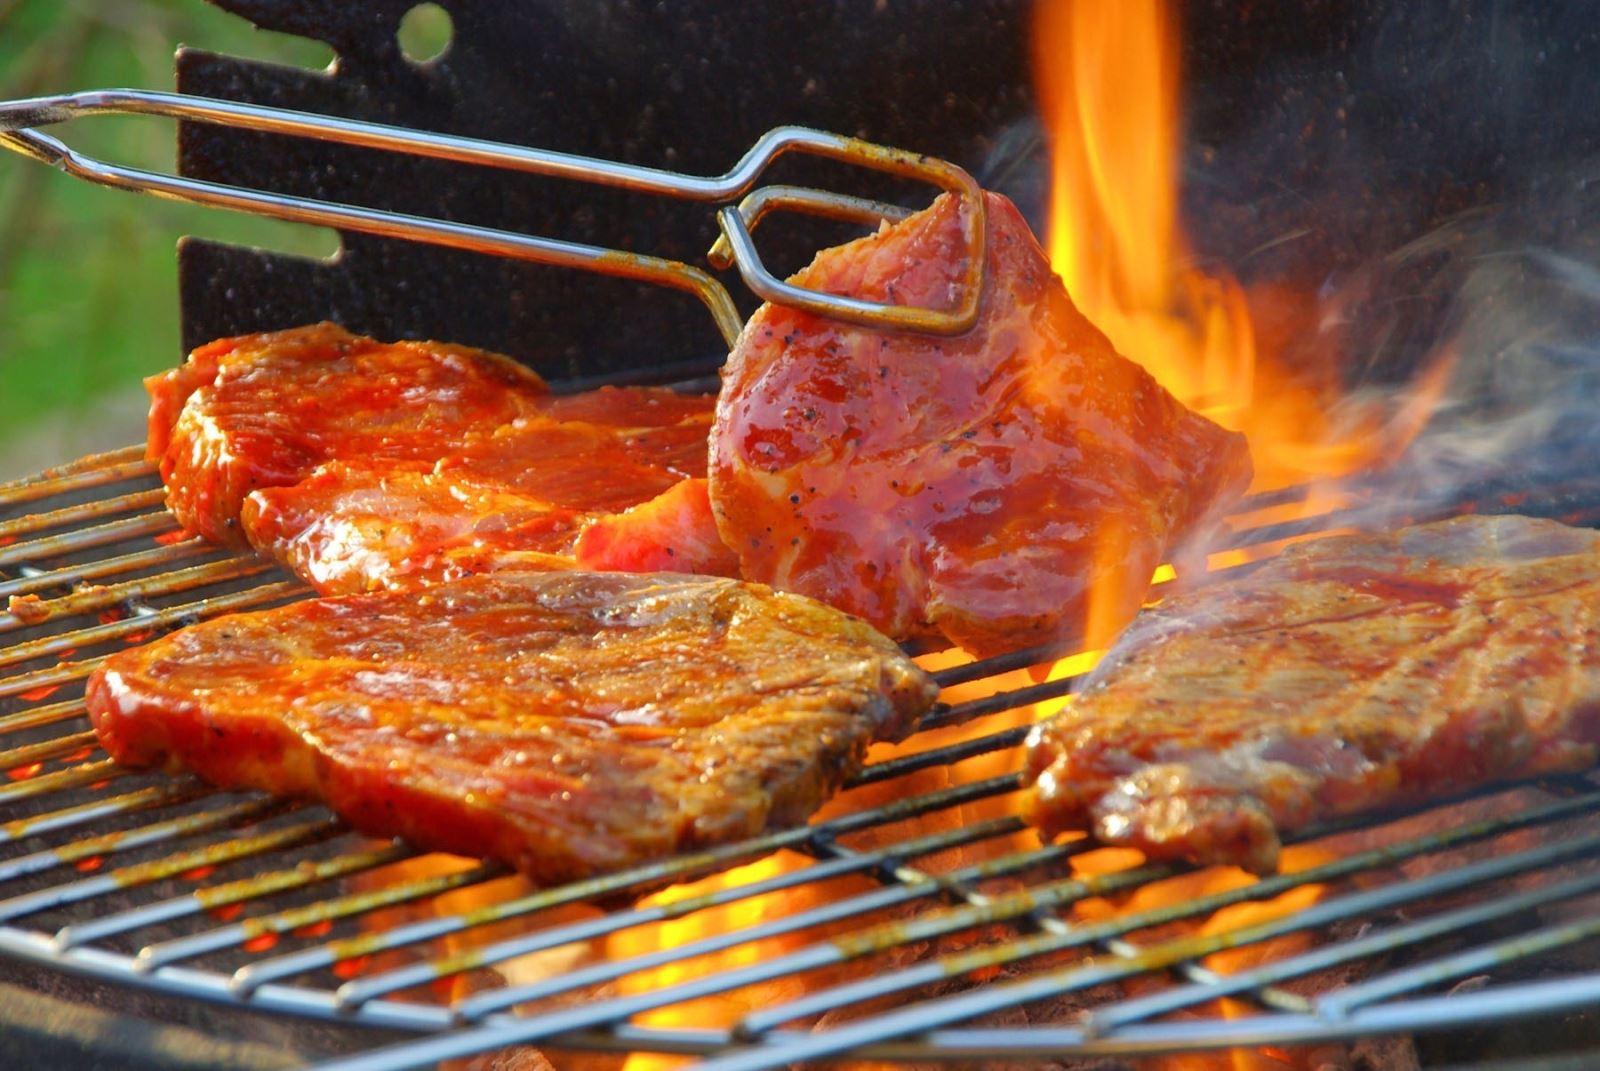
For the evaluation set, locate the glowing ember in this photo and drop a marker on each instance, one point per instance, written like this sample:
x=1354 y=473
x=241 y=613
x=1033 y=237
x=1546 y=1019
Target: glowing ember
x=37 y=695
x=199 y=873
x=22 y=773
x=350 y=968
x=261 y=943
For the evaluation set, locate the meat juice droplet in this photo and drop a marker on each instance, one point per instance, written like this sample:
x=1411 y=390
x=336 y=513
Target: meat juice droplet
x=35 y=695
x=22 y=773
x=261 y=942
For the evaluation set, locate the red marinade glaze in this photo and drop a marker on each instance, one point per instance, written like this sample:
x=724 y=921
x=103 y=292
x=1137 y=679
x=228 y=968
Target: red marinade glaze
x=363 y=465
x=977 y=486
x=568 y=724
x=265 y=410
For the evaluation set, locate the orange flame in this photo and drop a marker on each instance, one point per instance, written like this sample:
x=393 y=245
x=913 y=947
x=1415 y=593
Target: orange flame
x=1108 y=78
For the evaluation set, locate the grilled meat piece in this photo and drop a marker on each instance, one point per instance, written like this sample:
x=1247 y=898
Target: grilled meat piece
x=1347 y=675
x=565 y=723
x=265 y=410
x=365 y=466
x=525 y=497
x=979 y=486
x=673 y=532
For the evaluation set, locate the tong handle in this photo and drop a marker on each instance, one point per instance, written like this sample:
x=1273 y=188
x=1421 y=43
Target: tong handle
x=18 y=120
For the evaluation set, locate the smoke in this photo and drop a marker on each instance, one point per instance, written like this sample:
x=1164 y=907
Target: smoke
x=1519 y=326
x=1429 y=175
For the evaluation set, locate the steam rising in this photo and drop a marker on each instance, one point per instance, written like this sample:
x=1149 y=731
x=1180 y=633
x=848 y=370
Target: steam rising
x=1430 y=180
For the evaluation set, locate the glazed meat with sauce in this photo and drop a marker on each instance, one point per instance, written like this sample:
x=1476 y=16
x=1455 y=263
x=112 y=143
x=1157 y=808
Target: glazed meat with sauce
x=265 y=410
x=364 y=466
x=1347 y=675
x=540 y=493
x=978 y=487
x=565 y=723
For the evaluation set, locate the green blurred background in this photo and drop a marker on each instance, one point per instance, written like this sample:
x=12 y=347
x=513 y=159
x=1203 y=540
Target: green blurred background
x=88 y=276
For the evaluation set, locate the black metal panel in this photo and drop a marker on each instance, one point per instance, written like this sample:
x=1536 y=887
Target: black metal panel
x=682 y=85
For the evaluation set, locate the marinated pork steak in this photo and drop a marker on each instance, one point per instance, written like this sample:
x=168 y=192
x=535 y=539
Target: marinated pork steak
x=540 y=493
x=367 y=466
x=1347 y=675
x=565 y=723
x=265 y=410
x=980 y=486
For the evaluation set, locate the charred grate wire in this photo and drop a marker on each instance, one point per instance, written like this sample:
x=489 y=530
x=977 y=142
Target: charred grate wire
x=158 y=882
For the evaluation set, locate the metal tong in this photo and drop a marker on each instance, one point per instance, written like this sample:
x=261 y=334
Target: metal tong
x=736 y=247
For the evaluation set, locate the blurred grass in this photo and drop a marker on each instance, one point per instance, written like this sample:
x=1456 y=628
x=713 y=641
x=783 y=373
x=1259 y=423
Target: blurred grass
x=88 y=276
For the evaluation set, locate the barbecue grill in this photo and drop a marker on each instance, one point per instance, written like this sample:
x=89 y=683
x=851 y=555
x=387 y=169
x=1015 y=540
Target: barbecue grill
x=160 y=884
x=918 y=920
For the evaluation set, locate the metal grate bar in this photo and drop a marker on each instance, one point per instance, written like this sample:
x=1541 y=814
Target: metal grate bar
x=127 y=840
x=1104 y=1020
x=941 y=717
x=617 y=1009
x=181 y=948
x=163 y=554
x=355 y=993
x=1480 y=960
x=1085 y=935
x=94 y=509
x=948 y=755
x=65 y=710
x=73 y=777
x=170 y=583
x=53 y=748
x=96 y=470
x=645 y=877
x=37 y=550
x=928 y=1015
x=170 y=866
x=179 y=791
x=172 y=615
x=993 y=667
x=227 y=895
x=482 y=1005
x=40 y=684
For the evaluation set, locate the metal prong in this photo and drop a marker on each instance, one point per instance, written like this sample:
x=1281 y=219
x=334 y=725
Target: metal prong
x=18 y=117
x=768 y=199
